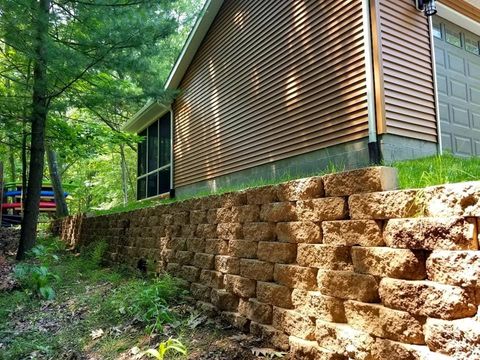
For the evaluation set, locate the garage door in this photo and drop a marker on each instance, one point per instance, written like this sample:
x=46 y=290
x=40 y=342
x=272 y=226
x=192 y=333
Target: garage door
x=457 y=55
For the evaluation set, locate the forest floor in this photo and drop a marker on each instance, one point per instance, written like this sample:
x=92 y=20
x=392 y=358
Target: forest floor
x=105 y=313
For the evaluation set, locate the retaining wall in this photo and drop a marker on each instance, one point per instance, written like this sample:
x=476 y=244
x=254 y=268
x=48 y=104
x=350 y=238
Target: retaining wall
x=330 y=267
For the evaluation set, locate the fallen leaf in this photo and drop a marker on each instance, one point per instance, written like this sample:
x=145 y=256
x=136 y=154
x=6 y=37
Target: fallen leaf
x=96 y=334
x=268 y=353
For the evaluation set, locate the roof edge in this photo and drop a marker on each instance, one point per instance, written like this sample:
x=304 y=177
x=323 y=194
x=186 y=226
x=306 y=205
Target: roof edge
x=145 y=116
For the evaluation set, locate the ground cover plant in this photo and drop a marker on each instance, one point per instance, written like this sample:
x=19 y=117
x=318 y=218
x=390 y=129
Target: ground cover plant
x=98 y=312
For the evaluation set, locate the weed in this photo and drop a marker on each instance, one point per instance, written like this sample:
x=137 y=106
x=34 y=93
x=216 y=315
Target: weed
x=166 y=346
x=37 y=279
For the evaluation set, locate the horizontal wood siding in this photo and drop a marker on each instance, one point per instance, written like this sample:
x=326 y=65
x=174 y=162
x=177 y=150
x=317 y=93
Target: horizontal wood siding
x=272 y=79
x=407 y=71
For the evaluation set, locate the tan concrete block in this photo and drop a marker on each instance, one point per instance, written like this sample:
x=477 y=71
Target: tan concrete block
x=352 y=232
x=173 y=268
x=246 y=213
x=181 y=217
x=462 y=199
x=216 y=247
x=259 y=231
x=200 y=292
x=323 y=209
x=458 y=338
x=314 y=304
x=324 y=256
x=262 y=195
x=189 y=273
x=256 y=269
x=272 y=336
x=225 y=215
x=387 y=262
x=277 y=252
x=301 y=189
x=206 y=231
x=228 y=231
x=243 y=249
x=256 y=311
x=278 y=212
x=237 y=321
x=293 y=323
x=212 y=216
x=461 y=268
x=204 y=261
x=386 y=205
x=240 y=286
x=224 y=300
x=188 y=231
x=427 y=298
x=212 y=278
x=343 y=339
x=366 y=180
x=230 y=199
x=309 y=350
x=294 y=276
x=299 y=232
x=384 y=322
x=195 y=244
x=274 y=294
x=184 y=257
x=453 y=233
x=393 y=350
x=348 y=285
x=176 y=243
x=207 y=308
x=227 y=264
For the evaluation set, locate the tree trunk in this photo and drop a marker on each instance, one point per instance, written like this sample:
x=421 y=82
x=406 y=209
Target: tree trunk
x=62 y=209
x=28 y=233
x=124 y=174
x=13 y=169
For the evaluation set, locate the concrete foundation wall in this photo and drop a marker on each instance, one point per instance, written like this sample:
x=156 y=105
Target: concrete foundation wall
x=334 y=267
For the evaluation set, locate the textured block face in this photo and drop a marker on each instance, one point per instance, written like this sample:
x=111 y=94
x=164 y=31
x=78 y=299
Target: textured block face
x=262 y=195
x=189 y=273
x=366 y=180
x=309 y=350
x=224 y=300
x=229 y=231
x=461 y=268
x=461 y=199
x=427 y=298
x=276 y=252
x=388 y=349
x=294 y=276
x=240 y=286
x=302 y=189
x=431 y=234
x=348 y=285
x=206 y=231
x=255 y=311
x=200 y=292
x=246 y=213
x=196 y=245
x=458 y=338
x=386 y=262
x=298 y=232
x=274 y=294
x=243 y=248
x=212 y=278
x=256 y=270
x=198 y=217
x=352 y=232
x=385 y=205
x=260 y=231
x=324 y=256
x=324 y=209
x=204 y=261
x=277 y=212
x=216 y=247
x=314 y=304
x=293 y=323
x=184 y=257
x=237 y=321
x=276 y=338
x=384 y=322
x=227 y=264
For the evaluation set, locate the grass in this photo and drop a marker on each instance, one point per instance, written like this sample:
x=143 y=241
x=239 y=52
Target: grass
x=123 y=304
x=437 y=170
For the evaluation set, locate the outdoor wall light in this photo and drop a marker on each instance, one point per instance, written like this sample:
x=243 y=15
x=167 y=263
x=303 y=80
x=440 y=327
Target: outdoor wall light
x=429 y=7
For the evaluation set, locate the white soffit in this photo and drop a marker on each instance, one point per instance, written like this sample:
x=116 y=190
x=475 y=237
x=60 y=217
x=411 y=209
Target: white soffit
x=145 y=116
x=460 y=19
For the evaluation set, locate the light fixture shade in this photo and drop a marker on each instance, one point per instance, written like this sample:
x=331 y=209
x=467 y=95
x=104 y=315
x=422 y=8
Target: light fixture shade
x=430 y=8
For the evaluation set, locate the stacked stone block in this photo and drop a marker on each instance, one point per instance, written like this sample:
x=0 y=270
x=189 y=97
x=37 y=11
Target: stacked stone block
x=335 y=267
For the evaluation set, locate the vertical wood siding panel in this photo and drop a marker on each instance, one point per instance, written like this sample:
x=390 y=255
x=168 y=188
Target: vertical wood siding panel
x=272 y=79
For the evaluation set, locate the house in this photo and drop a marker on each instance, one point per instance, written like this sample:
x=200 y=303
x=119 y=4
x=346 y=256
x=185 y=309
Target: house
x=268 y=87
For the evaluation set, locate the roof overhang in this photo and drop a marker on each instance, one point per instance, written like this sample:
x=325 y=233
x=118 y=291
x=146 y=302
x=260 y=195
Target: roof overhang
x=458 y=18
x=154 y=109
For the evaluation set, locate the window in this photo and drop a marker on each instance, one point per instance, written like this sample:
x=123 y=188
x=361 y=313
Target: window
x=154 y=159
x=453 y=37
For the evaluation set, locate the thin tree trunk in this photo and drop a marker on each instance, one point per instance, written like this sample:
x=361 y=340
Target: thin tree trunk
x=13 y=169
x=28 y=233
x=124 y=174
x=24 y=160
x=62 y=209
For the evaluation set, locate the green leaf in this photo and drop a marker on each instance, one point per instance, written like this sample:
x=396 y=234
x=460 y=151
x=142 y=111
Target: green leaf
x=47 y=292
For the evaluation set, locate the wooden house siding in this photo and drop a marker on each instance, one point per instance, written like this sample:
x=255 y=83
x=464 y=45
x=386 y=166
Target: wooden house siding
x=271 y=80
x=405 y=66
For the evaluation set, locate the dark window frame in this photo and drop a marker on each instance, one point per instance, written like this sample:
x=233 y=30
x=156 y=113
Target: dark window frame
x=162 y=173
